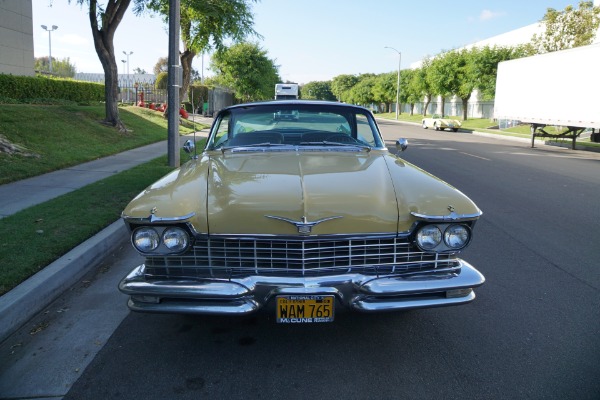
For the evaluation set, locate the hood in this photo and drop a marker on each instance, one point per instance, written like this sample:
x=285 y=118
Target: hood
x=291 y=193
x=298 y=193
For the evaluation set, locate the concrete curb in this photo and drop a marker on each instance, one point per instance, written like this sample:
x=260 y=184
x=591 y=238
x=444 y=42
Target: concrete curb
x=18 y=305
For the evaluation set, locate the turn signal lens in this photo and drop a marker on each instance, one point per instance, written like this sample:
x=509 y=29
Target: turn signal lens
x=145 y=239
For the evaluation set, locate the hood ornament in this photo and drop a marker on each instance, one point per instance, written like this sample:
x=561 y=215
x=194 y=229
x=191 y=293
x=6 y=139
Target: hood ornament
x=304 y=226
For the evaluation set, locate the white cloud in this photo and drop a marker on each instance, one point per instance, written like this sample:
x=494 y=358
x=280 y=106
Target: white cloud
x=486 y=15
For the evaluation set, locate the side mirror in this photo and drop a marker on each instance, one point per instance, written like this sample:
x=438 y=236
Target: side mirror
x=189 y=146
x=401 y=144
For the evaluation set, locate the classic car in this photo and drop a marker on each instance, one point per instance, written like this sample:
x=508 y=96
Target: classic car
x=299 y=217
x=439 y=122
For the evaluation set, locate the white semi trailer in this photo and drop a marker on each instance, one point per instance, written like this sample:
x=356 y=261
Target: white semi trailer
x=560 y=88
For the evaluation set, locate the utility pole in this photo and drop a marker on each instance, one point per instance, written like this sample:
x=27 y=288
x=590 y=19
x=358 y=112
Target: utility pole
x=174 y=82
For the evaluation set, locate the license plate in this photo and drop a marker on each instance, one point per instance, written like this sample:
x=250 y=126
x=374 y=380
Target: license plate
x=304 y=309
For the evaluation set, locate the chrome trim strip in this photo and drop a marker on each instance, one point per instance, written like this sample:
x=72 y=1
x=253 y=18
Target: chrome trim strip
x=450 y=217
x=381 y=235
x=355 y=291
x=153 y=218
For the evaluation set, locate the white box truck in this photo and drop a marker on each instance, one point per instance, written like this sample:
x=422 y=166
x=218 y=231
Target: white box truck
x=286 y=91
x=560 y=88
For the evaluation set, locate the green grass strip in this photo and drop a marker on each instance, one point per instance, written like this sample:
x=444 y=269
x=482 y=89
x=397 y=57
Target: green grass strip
x=60 y=136
x=37 y=236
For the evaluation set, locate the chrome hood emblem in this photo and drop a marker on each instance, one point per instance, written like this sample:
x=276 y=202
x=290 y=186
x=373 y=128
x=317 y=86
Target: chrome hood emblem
x=304 y=226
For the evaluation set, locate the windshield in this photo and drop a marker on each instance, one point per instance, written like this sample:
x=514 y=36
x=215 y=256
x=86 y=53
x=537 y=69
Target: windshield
x=294 y=125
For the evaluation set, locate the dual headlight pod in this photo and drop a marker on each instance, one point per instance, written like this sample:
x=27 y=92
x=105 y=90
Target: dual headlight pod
x=162 y=240
x=443 y=237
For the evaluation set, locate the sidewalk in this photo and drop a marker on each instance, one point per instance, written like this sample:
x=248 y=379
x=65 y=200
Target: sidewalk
x=19 y=195
x=30 y=297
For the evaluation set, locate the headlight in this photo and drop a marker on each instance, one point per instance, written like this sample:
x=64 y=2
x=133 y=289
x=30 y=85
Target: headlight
x=145 y=239
x=175 y=239
x=429 y=237
x=456 y=236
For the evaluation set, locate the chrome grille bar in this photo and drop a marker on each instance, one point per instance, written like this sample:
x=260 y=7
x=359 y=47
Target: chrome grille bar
x=239 y=257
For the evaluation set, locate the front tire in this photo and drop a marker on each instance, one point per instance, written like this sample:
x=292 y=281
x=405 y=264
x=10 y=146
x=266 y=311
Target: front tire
x=455 y=129
x=437 y=128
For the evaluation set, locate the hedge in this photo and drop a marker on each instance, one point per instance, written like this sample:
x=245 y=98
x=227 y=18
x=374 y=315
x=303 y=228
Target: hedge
x=41 y=87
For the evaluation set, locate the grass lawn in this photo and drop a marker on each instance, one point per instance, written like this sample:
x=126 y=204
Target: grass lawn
x=33 y=238
x=63 y=136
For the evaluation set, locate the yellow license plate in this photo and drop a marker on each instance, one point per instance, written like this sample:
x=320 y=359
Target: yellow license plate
x=304 y=309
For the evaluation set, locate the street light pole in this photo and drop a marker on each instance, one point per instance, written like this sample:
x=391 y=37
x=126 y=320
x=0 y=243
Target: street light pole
x=397 y=84
x=128 y=83
x=123 y=61
x=54 y=27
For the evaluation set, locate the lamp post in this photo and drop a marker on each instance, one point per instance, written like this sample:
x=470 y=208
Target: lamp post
x=397 y=84
x=123 y=61
x=128 y=54
x=54 y=27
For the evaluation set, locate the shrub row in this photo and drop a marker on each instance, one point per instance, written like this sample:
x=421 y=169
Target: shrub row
x=41 y=87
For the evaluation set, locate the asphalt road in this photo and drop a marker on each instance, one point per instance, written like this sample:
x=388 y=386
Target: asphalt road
x=533 y=332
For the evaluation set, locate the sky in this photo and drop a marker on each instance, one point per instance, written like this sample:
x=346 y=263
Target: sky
x=310 y=40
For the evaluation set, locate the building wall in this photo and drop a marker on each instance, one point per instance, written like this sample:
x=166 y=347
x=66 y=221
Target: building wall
x=16 y=37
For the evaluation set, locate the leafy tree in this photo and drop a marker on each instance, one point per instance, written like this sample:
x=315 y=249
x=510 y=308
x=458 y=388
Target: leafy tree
x=569 y=28
x=459 y=76
x=62 y=67
x=440 y=76
x=409 y=91
x=421 y=85
x=485 y=62
x=385 y=88
x=162 y=65
x=362 y=92
x=104 y=21
x=206 y=25
x=162 y=80
x=318 y=91
x=341 y=86
x=139 y=71
x=247 y=69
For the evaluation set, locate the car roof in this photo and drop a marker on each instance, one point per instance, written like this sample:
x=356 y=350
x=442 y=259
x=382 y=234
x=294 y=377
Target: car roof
x=296 y=102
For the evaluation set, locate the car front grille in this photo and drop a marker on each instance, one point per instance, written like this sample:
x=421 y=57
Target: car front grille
x=225 y=257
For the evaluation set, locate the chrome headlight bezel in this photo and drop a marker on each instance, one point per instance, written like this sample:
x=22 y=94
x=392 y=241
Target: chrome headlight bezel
x=452 y=237
x=166 y=240
x=457 y=236
x=175 y=239
x=428 y=237
x=145 y=239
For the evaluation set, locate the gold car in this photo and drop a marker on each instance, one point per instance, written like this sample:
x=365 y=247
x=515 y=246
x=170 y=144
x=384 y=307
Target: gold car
x=438 y=122
x=300 y=216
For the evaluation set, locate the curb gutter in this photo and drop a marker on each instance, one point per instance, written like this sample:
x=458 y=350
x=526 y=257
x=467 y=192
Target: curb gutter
x=18 y=306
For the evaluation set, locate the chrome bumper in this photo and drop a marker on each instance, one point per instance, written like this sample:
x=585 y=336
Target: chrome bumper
x=355 y=291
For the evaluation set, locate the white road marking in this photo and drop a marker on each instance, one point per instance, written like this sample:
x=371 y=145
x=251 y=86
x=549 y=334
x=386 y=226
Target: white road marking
x=473 y=155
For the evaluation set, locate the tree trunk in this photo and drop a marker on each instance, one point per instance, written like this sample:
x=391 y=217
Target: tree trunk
x=427 y=102
x=103 y=42
x=443 y=106
x=186 y=65
x=465 y=103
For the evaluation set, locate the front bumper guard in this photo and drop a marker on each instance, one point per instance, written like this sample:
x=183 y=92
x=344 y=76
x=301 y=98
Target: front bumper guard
x=356 y=291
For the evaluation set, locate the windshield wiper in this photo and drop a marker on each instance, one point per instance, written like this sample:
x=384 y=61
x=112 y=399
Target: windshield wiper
x=327 y=143
x=266 y=144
